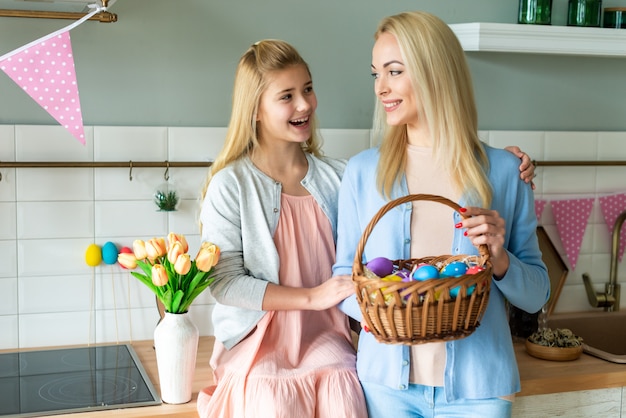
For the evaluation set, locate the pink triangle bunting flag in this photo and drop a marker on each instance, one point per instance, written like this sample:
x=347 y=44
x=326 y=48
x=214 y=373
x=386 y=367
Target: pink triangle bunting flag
x=540 y=204
x=612 y=206
x=571 y=218
x=45 y=71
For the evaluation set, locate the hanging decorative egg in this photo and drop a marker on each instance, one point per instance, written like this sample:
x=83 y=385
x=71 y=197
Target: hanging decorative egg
x=93 y=255
x=109 y=253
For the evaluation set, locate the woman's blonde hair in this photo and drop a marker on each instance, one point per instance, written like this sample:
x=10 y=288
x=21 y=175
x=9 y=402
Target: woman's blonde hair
x=436 y=64
x=251 y=79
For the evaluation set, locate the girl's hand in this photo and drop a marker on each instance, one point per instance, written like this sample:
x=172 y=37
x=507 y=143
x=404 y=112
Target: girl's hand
x=331 y=292
x=323 y=296
x=485 y=226
x=526 y=168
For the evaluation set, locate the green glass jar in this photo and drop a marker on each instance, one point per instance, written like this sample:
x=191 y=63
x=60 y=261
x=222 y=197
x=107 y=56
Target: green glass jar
x=535 y=12
x=584 y=13
x=615 y=17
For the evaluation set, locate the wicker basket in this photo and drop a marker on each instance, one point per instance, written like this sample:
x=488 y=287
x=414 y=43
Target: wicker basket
x=418 y=312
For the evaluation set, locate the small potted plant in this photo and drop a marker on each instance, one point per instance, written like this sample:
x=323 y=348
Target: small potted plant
x=166 y=200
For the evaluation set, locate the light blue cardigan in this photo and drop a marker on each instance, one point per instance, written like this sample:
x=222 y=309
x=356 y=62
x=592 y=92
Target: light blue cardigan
x=482 y=365
x=240 y=213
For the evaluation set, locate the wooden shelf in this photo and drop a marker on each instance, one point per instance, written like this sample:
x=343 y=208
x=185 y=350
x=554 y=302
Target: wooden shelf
x=540 y=39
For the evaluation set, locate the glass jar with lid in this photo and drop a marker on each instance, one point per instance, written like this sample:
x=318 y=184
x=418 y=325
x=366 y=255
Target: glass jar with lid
x=584 y=13
x=535 y=12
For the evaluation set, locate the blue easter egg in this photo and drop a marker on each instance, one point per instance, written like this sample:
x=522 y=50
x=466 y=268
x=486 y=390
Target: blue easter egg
x=425 y=272
x=454 y=269
x=454 y=292
x=380 y=266
x=109 y=253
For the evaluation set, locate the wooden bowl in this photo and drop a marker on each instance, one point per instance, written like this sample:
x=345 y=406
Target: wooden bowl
x=553 y=353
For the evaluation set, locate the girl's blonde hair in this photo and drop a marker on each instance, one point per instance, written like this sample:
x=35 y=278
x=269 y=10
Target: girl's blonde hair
x=436 y=64
x=251 y=78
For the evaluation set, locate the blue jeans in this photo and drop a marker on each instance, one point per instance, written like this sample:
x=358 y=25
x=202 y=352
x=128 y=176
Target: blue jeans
x=426 y=402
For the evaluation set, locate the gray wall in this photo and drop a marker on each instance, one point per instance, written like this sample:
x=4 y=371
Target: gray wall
x=171 y=63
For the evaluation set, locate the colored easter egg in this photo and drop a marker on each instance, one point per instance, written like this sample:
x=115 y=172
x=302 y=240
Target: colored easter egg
x=392 y=278
x=425 y=272
x=474 y=270
x=454 y=292
x=93 y=255
x=404 y=274
x=454 y=269
x=109 y=253
x=126 y=250
x=380 y=266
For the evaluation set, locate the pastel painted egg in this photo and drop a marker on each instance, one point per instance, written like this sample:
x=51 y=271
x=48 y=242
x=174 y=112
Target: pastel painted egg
x=392 y=278
x=474 y=270
x=454 y=269
x=93 y=255
x=425 y=272
x=126 y=250
x=404 y=274
x=380 y=266
x=454 y=292
x=109 y=253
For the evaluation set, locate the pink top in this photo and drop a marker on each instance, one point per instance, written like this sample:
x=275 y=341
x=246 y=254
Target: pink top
x=295 y=363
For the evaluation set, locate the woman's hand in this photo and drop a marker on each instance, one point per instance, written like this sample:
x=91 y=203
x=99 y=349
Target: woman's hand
x=485 y=226
x=526 y=168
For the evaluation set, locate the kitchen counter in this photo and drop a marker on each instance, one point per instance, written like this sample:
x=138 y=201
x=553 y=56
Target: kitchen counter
x=538 y=377
x=585 y=373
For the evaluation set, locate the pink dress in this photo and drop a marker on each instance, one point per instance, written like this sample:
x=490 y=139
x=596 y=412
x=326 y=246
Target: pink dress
x=295 y=363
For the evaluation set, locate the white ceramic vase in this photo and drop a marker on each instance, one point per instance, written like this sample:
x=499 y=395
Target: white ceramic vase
x=176 y=346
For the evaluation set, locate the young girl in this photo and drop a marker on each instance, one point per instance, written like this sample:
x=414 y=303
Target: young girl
x=430 y=145
x=283 y=348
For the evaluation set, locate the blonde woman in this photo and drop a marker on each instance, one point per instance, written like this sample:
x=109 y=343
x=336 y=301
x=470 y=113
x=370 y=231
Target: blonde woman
x=427 y=120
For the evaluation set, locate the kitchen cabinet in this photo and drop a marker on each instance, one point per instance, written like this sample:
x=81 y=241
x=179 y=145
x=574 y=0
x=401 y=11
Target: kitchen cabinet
x=540 y=39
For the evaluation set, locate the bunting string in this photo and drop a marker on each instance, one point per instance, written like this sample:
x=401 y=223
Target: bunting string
x=53 y=34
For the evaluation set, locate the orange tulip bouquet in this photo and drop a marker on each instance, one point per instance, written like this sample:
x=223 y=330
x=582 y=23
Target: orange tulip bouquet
x=169 y=271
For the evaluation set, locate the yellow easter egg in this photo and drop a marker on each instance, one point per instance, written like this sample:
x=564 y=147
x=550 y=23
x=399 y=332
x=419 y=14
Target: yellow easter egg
x=392 y=278
x=93 y=255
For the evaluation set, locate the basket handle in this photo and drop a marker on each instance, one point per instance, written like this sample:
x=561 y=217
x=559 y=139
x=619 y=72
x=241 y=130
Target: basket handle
x=357 y=266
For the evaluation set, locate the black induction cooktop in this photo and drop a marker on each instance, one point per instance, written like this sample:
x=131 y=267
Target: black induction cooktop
x=68 y=380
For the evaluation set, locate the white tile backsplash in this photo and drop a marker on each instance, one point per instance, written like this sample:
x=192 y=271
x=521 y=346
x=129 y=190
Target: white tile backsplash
x=120 y=218
x=46 y=257
x=55 y=329
x=55 y=184
x=116 y=183
x=50 y=217
x=8 y=296
x=9 y=337
x=55 y=219
x=51 y=143
x=42 y=294
x=195 y=144
x=7 y=220
x=130 y=143
x=8 y=266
